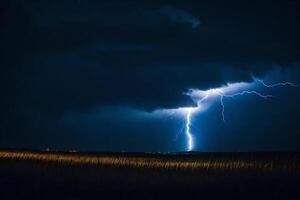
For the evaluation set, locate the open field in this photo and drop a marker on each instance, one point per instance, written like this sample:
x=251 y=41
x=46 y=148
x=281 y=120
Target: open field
x=51 y=175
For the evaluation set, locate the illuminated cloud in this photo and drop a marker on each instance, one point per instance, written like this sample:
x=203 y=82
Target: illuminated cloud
x=205 y=98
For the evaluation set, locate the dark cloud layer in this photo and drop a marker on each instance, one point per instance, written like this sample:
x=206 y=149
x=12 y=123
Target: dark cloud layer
x=71 y=56
x=179 y=16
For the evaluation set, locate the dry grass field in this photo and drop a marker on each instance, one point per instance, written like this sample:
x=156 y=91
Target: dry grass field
x=54 y=175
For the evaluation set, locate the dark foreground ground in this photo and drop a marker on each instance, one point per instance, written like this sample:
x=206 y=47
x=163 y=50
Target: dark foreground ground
x=38 y=175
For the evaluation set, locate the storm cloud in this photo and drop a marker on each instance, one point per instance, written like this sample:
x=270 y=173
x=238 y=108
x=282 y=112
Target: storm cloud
x=61 y=57
x=179 y=16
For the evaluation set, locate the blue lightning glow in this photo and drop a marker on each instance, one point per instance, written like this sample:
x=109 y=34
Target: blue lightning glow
x=205 y=98
x=188 y=133
x=188 y=121
x=228 y=91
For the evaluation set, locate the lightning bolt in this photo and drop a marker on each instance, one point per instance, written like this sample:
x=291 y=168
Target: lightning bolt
x=188 y=133
x=276 y=84
x=240 y=94
x=221 y=93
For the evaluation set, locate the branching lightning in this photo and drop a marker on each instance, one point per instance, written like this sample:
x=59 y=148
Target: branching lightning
x=229 y=91
x=276 y=84
x=206 y=98
x=240 y=94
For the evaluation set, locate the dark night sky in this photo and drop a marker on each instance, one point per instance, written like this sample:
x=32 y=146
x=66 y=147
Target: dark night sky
x=85 y=75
